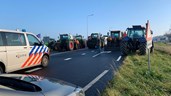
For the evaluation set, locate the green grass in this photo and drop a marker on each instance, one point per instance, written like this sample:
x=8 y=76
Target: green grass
x=166 y=48
x=133 y=78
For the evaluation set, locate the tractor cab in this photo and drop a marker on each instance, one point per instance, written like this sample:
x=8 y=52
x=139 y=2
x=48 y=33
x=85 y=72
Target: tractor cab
x=79 y=37
x=95 y=35
x=95 y=41
x=115 y=34
x=65 y=37
x=136 y=32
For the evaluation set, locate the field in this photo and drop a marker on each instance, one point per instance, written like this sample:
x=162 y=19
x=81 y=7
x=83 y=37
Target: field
x=133 y=78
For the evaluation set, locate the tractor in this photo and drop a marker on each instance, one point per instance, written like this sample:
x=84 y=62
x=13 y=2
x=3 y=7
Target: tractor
x=113 y=41
x=95 y=41
x=138 y=38
x=66 y=42
x=81 y=41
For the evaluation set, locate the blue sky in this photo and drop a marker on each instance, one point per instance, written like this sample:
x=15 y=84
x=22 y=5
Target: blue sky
x=52 y=17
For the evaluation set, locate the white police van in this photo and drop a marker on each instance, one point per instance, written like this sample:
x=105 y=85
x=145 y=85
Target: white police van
x=19 y=50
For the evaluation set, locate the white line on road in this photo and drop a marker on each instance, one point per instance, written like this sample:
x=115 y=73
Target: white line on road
x=119 y=58
x=83 y=54
x=95 y=80
x=92 y=51
x=53 y=54
x=67 y=59
x=29 y=71
x=97 y=54
x=106 y=52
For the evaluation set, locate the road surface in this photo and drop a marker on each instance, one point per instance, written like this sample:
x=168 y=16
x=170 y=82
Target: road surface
x=89 y=69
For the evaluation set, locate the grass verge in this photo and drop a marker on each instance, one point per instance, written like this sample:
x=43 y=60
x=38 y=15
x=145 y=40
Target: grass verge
x=134 y=79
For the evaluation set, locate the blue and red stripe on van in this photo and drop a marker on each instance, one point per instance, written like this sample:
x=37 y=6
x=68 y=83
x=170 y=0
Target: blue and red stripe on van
x=35 y=55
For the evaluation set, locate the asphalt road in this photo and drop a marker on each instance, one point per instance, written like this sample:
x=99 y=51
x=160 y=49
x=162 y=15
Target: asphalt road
x=89 y=69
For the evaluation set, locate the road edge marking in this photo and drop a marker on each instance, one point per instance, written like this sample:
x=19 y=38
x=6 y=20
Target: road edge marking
x=119 y=58
x=95 y=80
x=32 y=70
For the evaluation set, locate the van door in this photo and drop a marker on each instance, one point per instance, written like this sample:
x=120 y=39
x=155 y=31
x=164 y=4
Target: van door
x=36 y=49
x=3 y=56
x=16 y=50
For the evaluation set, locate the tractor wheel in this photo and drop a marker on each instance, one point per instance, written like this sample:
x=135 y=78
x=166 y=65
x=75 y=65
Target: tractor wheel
x=124 y=48
x=70 y=46
x=57 y=47
x=143 y=48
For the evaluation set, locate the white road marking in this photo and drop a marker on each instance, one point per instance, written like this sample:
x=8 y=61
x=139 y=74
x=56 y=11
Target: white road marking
x=101 y=53
x=67 y=59
x=95 y=80
x=97 y=54
x=119 y=58
x=29 y=71
x=83 y=54
x=92 y=51
x=53 y=54
x=106 y=52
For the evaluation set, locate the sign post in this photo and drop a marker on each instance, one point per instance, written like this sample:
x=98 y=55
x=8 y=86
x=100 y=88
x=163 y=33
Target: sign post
x=149 y=65
x=149 y=43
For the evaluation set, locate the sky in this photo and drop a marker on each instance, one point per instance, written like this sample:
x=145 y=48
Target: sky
x=54 y=17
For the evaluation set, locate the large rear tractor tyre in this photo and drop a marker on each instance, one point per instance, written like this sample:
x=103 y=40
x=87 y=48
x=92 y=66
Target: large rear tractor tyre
x=143 y=48
x=124 y=48
x=70 y=46
x=45 y=61
x=57 y=47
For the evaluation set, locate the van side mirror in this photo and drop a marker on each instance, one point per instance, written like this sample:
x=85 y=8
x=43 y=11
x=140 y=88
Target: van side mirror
x=42 y=42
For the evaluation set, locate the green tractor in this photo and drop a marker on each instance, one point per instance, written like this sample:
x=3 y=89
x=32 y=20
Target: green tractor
x=113 y=41
x=81 y=41
x=138 y=38
x=95 y=41
x=66 y=42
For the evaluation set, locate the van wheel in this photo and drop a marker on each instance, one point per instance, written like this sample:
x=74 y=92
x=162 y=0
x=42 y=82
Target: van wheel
x=45 y=61
x=1 y=70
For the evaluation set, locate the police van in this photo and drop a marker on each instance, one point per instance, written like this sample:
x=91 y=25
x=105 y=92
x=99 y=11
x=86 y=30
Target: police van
x=20 y=50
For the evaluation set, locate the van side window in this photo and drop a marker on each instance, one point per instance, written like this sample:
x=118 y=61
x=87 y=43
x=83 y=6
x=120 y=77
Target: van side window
x=15 y=39
x=32 y=40
x=1 y=42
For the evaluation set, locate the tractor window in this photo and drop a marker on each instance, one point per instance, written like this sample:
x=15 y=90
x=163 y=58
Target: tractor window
x=64 y=36
x=136 y=33
x=115 y=35
x=78 y=37
x=94 y=36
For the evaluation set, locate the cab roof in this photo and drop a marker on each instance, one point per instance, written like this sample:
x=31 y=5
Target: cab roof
x=136 y=27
